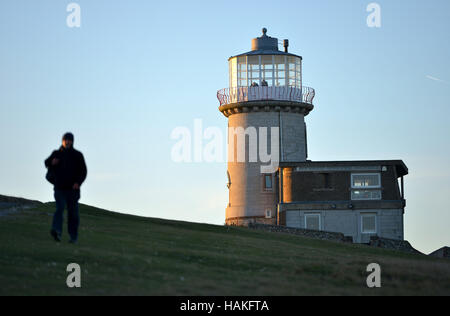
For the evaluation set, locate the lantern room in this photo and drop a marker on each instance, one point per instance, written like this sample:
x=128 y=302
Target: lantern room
x=265 y=73
x=265 y=65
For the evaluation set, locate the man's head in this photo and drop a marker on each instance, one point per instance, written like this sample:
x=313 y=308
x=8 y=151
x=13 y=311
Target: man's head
x=67 y=140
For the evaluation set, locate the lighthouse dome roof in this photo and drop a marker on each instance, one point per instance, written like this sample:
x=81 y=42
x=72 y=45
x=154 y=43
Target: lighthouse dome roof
x=265 y=45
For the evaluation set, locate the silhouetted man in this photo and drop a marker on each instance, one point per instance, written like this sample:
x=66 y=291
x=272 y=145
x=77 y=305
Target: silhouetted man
x=67 y=172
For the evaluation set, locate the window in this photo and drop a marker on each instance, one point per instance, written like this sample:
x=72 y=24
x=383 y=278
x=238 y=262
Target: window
x=233 y=73
x=253 y=69
x=242 y=71
x=268 y=185
x=370 y=180
x=366 y=195
x=368 y=223
x=275 y=70
x=268 y=213
x=279 y=70
x=267 y=69
x=312 y=221
x=363 y=186
x=294 y=67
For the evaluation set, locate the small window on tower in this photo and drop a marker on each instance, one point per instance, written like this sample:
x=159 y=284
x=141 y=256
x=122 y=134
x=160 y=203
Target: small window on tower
x=268 y=185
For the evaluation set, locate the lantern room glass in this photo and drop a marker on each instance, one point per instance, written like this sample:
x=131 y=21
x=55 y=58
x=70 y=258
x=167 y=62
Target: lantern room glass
x=265 y=70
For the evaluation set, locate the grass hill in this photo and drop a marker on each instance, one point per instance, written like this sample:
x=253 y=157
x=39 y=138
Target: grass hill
x=123 y=255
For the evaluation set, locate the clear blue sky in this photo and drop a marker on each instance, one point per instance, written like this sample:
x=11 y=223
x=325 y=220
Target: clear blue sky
x=135 y=70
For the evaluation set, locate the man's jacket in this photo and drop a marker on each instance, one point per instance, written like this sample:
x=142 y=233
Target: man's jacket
x=69 y=170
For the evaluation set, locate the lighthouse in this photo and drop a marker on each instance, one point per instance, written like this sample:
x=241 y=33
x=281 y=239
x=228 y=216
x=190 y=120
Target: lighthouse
x=271 y=181
x=266 y=104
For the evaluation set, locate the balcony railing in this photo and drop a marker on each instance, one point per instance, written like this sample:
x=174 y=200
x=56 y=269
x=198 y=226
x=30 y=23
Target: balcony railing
x=244 y=94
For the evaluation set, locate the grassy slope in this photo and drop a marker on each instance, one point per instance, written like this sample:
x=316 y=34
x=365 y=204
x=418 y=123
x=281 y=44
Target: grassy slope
x=122 y=254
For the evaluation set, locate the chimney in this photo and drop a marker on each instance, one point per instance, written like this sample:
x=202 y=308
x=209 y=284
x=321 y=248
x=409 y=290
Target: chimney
x=286 y=45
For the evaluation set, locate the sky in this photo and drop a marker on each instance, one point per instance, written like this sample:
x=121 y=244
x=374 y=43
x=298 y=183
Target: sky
x=136 y=70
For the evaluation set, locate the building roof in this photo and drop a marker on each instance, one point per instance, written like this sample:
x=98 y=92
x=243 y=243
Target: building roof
x=265 y=52
x=400 y=166
x=265 y=45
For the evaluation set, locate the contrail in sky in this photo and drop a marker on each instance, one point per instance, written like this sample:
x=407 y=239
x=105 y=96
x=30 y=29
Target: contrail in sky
x=436 y=79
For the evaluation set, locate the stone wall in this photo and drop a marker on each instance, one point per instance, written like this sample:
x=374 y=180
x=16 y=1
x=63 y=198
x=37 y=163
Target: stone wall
x=400 y=245
x=375 y=241
x=246 y=221
x=301 y=232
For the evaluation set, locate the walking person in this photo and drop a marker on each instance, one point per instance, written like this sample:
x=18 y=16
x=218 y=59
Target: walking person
x=67 y=172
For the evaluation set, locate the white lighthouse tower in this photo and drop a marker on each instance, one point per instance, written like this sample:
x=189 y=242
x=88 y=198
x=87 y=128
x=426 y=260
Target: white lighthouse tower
x=266 y=99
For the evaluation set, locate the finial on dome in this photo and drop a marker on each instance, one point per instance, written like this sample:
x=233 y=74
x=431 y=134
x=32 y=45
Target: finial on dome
x=264 y=30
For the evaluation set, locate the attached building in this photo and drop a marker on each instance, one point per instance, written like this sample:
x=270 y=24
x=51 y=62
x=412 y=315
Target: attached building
x=357 y=198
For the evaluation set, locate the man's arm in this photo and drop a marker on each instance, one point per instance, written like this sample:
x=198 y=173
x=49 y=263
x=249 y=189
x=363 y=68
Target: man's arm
x=48 y=161
x=82 y=170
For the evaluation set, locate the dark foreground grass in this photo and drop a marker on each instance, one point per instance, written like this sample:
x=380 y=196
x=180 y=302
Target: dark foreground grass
x=124 y=255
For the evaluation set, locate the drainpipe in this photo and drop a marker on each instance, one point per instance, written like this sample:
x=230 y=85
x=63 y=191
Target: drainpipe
x=280 y=193
x=280 y=124
x=280 y=169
